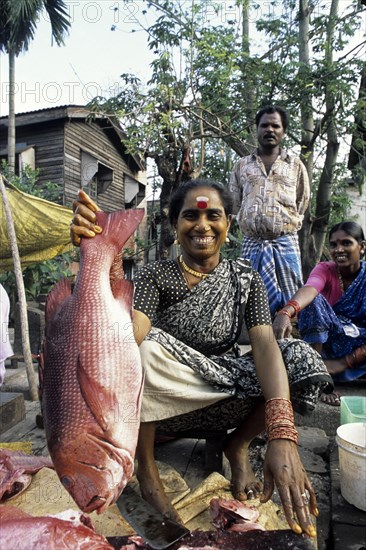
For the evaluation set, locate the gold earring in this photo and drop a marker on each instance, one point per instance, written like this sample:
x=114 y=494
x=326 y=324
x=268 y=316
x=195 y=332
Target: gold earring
x=176 y=246
x=227 y=240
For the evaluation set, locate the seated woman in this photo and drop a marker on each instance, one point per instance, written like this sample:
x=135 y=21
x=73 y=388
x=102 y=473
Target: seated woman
x=188 y=314
x=333 y=307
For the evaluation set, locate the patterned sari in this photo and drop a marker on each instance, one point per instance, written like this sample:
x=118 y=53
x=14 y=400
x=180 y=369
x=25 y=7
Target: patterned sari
x=201 y=331
x=340 y=329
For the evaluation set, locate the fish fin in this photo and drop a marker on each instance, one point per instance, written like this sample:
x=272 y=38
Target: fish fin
x=58 y=294
x=101 y=402
x=123 y=291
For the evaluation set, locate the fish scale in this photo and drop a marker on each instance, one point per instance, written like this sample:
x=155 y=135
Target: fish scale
x=92 y=379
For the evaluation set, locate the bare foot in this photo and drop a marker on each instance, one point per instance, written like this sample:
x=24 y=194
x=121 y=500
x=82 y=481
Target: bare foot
x=152 y=490
x=244 y=484
x=331 y=398
x=335 y=366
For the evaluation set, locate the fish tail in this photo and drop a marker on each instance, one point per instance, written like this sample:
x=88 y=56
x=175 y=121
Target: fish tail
x=120 y=225
x=117 y=229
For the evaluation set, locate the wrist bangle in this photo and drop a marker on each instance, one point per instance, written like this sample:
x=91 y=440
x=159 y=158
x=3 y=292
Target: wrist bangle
x=295 y=305
x=279 y=419
x=284 y=312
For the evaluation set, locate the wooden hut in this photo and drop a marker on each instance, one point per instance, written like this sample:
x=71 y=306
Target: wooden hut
x=73 y=150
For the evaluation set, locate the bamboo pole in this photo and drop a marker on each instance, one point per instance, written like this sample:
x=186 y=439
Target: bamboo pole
x=32 y=378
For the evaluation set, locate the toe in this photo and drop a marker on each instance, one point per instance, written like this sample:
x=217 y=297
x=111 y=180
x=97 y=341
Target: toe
x=331 y=398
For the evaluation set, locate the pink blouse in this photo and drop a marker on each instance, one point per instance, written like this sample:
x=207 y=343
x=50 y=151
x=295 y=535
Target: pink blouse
x=325 y=279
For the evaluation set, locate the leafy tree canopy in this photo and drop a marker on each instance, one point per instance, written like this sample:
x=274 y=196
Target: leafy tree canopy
x=213 y=69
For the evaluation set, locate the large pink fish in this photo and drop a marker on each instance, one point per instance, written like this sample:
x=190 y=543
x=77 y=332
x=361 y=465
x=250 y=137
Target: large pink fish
x=92 y=380
x=66 y=530
x=16 y=469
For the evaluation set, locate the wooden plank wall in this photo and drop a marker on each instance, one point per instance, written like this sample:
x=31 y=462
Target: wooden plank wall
x=81 y=136
x=48 y=140
x=58 y=145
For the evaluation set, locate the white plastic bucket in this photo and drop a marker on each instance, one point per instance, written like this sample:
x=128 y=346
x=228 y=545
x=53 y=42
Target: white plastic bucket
x=351 y=440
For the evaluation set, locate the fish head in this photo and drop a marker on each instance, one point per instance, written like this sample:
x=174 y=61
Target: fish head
x=93 y=471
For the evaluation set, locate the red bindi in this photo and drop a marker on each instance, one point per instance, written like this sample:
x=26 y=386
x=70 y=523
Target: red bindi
x=202 y=202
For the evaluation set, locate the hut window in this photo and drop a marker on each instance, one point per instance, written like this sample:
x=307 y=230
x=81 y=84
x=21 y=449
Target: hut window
x=95 y=176
x=104 y=178
x=24 y=156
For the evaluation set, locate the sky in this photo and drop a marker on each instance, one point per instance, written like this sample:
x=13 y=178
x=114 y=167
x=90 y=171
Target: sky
x=94 y=56
x=88 y=65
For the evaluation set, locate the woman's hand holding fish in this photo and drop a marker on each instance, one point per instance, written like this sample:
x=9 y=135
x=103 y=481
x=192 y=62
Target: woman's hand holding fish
x=83 y=223
x=283 y=467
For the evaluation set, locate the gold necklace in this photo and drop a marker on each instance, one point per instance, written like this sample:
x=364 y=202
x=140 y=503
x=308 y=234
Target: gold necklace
x=197 y=274
x=340 y=279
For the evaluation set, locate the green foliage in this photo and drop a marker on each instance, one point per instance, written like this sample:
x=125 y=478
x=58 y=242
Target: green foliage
x=28 y=183
x=203 y=73
x=340 y=202
x=219 y=161
x=38 y=278
x=209 y=77
x=232 y=250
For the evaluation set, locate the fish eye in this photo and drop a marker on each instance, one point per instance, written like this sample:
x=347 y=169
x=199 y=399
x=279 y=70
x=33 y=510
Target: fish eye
x=67 y=482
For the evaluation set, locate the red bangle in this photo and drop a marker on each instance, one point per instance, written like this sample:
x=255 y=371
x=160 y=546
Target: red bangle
x=284 y=312
x=279 y=419
x=295 y=305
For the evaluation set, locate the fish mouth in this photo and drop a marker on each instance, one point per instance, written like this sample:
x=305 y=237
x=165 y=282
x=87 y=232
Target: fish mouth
x=95 y=480
x=97 y=503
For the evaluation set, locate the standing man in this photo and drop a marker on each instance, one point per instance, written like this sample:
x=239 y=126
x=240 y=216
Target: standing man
x=271 y=192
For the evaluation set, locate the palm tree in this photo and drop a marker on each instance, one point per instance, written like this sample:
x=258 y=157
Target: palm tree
x=18 y=23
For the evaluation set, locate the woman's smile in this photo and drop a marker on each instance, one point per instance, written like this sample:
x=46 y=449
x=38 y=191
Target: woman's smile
x=345 y=250
x=202 y=227
x=203 y=240
x=340 y=257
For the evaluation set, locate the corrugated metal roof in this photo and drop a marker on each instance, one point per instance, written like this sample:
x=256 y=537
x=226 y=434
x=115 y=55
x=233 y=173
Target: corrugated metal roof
x=45 y=109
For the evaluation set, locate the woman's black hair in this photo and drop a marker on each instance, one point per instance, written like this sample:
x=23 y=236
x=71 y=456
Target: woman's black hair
x=178 y=197
x=351 y=228
x=270 y=110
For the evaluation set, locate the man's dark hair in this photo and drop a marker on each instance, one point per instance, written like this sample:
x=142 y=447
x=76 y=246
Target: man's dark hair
x=178 y=197
x=269 y=110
